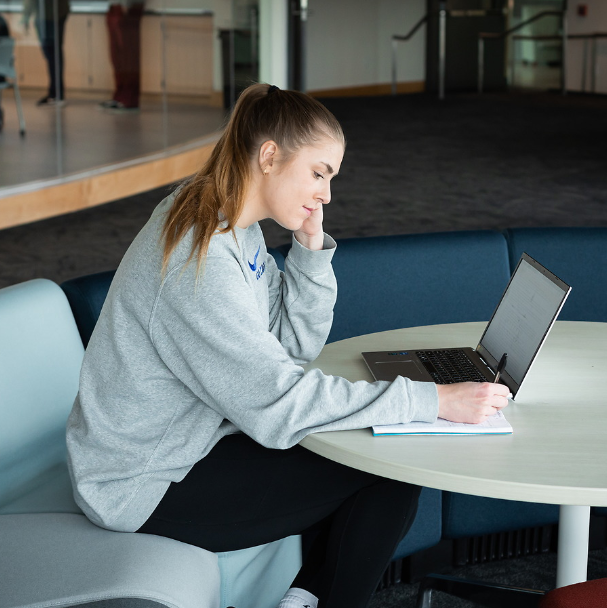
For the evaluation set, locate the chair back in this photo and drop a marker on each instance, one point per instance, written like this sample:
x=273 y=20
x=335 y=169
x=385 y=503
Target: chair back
x=40 y=357
x=7 y=59
x=86 y=296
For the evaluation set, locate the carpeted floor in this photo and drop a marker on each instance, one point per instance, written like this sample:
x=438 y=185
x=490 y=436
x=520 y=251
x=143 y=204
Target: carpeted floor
x=532 y=572
x=413 y=164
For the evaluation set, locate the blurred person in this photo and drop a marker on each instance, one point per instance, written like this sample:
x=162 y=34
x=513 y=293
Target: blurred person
x=50 y=17
x=4 y=32
x=124 y=28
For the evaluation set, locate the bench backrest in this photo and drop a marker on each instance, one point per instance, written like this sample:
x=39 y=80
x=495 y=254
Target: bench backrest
x=422 y=279
x=578 y=256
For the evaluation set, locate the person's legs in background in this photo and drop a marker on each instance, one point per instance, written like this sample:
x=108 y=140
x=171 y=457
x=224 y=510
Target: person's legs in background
x=3 y=32
x=124 y=29
x=49 y=32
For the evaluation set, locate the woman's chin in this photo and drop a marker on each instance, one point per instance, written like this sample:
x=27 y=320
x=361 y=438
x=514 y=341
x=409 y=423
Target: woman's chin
x=291 y=225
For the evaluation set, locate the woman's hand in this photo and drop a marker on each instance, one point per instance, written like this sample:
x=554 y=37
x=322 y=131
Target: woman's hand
x=311 y=235
x=471 y=402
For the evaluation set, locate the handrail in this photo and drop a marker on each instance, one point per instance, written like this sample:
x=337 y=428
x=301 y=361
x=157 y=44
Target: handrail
x=413 y=30
x=588 y=36
x=520 y=25
x=499 y=35
x=395 y=39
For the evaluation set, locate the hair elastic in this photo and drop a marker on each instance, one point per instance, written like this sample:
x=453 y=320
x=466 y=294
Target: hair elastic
x=272 y=89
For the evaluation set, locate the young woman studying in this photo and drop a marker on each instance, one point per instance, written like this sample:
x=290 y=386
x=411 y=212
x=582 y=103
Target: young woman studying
x=192 y=396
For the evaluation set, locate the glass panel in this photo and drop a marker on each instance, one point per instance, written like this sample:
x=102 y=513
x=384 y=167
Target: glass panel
x=536 y=49
x=36 y=27
x=241 y=45
x=193 y=109
x=138 y=80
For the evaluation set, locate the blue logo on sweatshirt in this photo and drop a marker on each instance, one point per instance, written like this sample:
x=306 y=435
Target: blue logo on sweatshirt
x=257 y=270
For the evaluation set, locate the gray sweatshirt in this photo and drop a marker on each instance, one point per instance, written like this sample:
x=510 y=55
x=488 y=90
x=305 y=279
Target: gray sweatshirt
x=175 y=364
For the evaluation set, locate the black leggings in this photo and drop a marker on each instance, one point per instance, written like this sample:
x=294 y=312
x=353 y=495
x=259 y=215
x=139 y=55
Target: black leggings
x=242 y=495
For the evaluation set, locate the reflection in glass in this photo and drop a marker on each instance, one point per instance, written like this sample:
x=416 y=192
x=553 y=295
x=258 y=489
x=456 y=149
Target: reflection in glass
x=240 y=49
x=49 y=17
x=166 y=96
x=536 y=49
x=124 y=31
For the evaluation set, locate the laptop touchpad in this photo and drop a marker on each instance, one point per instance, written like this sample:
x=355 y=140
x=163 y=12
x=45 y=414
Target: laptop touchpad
x=388 y=370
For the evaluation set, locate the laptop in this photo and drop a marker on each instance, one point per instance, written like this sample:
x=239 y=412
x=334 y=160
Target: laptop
x=518 y=328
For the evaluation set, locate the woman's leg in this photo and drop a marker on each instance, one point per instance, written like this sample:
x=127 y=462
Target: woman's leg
x=242 y=494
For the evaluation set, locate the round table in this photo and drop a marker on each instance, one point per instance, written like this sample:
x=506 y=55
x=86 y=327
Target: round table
x=557 y=453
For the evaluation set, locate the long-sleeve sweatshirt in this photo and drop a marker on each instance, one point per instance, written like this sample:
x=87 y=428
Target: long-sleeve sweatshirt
x=178 y=361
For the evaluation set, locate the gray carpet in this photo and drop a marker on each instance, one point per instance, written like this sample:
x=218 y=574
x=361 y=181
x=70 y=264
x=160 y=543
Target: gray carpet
x=531 y=572
x=413 y=164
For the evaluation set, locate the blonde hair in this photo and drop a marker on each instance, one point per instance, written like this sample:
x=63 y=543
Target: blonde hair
x=291 y=119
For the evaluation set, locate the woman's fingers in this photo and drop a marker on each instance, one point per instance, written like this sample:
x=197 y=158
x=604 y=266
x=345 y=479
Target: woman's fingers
x=471 y=402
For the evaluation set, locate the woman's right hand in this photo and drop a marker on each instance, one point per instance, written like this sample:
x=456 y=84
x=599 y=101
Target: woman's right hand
x=471 y=402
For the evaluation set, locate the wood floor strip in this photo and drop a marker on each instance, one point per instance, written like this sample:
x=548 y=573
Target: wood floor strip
x=96 y=187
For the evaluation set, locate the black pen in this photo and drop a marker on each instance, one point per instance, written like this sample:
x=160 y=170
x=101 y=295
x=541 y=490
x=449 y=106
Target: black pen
x=500 y=367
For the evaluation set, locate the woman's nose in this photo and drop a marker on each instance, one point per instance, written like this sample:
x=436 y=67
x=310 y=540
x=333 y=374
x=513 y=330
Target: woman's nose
x=324 y=196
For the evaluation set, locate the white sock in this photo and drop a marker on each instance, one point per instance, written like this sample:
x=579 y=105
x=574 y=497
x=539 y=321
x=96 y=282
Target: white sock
x=298 y=598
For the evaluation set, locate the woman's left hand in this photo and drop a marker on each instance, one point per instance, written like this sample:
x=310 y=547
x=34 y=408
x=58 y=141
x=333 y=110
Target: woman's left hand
x=311 y=234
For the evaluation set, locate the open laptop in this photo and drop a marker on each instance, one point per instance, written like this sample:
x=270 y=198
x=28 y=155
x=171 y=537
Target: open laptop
x=518 y=328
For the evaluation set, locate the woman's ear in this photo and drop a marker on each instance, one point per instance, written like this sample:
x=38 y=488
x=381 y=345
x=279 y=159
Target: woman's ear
x=267 y=151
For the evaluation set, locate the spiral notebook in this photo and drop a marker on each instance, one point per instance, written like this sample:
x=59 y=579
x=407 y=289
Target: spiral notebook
x=495 y=425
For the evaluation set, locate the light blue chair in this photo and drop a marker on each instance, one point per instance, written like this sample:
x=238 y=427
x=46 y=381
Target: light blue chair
x=51 y=554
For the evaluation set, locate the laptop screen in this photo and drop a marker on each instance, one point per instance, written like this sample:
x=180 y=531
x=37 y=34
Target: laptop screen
x=529 y=307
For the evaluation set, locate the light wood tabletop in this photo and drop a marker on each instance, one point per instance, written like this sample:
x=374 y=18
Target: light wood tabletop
x=557 y=453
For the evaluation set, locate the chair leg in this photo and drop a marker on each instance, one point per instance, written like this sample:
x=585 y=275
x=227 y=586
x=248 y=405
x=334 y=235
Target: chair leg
x=424 y=594
x=490 y=595
x=19 y=109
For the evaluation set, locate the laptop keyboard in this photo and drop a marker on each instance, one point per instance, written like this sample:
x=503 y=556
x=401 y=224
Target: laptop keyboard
x=450 y=366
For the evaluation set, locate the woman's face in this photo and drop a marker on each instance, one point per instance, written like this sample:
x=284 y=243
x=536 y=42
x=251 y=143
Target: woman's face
x=292 y=192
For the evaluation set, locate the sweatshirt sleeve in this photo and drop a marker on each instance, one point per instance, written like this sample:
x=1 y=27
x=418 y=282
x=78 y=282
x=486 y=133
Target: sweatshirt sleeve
x=301 y=300
x=213 y=338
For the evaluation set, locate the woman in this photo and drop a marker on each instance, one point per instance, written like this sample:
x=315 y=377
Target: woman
x=192 y=397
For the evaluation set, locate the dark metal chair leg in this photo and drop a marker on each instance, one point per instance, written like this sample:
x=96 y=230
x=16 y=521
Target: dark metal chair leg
x=489 y=595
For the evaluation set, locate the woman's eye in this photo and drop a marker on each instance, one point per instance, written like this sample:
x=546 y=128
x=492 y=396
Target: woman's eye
x=318 y=175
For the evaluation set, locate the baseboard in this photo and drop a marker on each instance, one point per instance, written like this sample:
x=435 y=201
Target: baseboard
x=370 y=90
